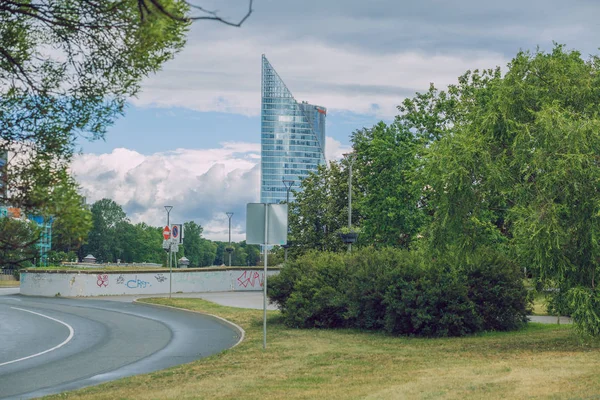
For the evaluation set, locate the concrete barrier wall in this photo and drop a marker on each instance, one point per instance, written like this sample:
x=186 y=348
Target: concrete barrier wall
x=104 y=283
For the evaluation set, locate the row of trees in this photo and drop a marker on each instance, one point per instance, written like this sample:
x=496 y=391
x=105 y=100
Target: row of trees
x=113 y=237
x=504 y=161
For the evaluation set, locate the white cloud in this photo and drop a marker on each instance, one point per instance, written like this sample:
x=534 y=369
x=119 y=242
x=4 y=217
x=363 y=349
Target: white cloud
x=200 y=184
x=334 y=149
x=225 y=75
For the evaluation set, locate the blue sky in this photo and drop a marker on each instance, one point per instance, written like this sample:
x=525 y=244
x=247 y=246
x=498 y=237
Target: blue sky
x=191 y=137
x=150 y=130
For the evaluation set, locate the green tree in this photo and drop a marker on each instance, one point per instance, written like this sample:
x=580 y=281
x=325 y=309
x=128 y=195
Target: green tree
x=385 y=164
x=518 y=170
x=321 y=208
x=192 y=242
x=239 y=256
x=208 y=252
x=220 y=253
x=18 y=239
x=100 y=53
x=72 y=219
x=108 y=220
x=140 y=243
x=252 y=253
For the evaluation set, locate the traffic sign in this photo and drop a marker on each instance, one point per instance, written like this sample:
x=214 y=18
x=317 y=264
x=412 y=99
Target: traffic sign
x=167 y=232
x=177 y=233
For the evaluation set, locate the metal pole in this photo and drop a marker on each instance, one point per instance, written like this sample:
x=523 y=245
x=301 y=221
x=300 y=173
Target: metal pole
x=287 y=201
x=169 y=208
x=229 y=215
x=351 y=161
x=265 y=279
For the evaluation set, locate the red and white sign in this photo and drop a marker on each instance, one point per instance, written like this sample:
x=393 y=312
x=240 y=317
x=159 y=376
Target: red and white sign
x=167 y=232
x=177 y=233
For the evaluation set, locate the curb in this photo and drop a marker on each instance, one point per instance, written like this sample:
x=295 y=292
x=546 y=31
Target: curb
x=240 y=330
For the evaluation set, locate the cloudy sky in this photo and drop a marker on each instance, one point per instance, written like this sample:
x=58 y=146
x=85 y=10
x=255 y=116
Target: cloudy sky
x=191 y=139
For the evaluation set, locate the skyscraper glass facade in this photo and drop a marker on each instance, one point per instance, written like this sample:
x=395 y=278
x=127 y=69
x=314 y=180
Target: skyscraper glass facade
x=292 y=137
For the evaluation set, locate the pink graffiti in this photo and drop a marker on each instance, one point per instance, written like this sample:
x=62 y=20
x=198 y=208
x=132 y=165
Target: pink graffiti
x=249 y=278
x=102 y=280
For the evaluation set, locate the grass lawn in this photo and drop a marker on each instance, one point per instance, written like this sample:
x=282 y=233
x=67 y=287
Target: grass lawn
x=537 y=362
x=9 y=284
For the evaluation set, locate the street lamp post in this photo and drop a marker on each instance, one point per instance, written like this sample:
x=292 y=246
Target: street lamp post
x=351 y=157
x=229 y=249
x=169 y=208
x=288 y=183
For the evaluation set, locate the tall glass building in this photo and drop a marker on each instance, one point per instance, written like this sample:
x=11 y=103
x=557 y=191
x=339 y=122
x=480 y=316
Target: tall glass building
x=292 y=137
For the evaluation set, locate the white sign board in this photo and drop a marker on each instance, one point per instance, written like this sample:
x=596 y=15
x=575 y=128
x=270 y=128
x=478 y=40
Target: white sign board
x=277 y=223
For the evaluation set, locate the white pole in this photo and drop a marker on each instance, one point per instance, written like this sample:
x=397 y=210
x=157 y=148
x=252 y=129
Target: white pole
x=265 y=279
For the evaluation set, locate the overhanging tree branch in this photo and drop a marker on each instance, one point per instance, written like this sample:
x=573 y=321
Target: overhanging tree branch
x=210 y=15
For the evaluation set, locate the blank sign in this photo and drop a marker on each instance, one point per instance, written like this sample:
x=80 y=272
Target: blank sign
x=277 y=225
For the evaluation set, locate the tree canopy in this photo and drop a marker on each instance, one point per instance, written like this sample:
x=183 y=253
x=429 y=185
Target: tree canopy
x=504 y=161
x=519 y=169
x=66 y=70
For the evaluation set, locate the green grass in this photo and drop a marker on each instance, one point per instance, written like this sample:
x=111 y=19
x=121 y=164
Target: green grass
x=540 y=361
x=9 y=284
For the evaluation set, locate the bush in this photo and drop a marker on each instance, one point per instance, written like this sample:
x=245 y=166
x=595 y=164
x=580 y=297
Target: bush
x=371 y=275
x=310 y=291
x=395 y=291
x=497 y=289
x=430 y=302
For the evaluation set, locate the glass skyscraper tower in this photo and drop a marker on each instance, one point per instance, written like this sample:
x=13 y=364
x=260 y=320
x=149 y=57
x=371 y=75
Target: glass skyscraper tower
x=292 y=137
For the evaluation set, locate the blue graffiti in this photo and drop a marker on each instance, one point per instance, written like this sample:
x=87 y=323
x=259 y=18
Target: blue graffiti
x=137 y=283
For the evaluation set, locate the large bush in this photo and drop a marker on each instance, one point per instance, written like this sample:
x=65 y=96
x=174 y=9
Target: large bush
x=430 y=301
x=497 y=290
x=310 y=291
x=396 y=291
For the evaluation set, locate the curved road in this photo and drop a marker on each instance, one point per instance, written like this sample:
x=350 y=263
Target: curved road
x=50 y=345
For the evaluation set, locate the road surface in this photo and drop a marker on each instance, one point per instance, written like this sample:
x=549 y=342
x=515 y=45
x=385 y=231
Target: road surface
x=51 y=345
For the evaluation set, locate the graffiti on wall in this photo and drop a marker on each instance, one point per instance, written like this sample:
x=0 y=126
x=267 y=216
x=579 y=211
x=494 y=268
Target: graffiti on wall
x=250 y=279
x=120 y=280
x=102 y=280
x=160 y=278
x=137 y=284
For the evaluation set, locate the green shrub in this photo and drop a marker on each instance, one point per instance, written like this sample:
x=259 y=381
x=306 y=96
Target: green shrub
x=429 y=302
x=395 y=291
x=310 y=291
x=497 y=289
x=371 y=275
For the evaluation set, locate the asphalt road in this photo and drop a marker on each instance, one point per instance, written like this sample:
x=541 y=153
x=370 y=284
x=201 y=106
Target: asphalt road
x=51 y=345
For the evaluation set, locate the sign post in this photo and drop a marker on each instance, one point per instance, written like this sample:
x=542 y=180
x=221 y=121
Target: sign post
x=175 y=238
x=265 y=278
x=266 y=224
x=167 y=247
